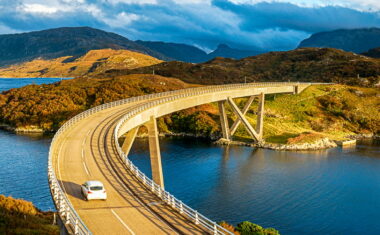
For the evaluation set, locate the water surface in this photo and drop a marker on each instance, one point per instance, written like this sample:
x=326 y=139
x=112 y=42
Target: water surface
x=334 y=191
x=9 y=83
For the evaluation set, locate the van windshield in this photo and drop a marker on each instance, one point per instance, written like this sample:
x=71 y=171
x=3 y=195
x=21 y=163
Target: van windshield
x=96 y=188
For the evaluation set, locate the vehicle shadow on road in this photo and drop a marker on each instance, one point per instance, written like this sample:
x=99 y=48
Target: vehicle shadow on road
x=72 y=189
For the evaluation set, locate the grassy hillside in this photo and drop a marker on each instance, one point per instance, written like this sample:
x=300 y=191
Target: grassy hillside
x=307 y=64
x=95 y=61
x=49 y=106
x=21 y=217
x=320 y=111
x=334 y=111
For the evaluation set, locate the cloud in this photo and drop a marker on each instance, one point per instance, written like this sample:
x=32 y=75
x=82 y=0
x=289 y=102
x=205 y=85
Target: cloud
x=253 y=24
x=6 y=30
x=120 y=20
x=361 y=5
x=138 y=2
x=308 y=19
x=38 y=8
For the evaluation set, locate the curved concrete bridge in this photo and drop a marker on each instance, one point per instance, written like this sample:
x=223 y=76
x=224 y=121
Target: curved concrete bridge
x=87 y=148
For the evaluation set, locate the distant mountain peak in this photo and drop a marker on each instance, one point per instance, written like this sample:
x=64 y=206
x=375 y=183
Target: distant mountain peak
x=223 y=46
x=64 y=41
x=354 y=40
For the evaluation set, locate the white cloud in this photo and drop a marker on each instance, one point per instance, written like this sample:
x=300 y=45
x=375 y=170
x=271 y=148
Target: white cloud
x=6 y=30
x=120 y=20
x=140 y=2
x=205 y=2
x=38 y=8
x=361 y=5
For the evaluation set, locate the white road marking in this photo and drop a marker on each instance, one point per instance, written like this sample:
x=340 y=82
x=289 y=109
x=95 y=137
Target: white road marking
x=82 y=153
x=122 y=222
x=85 y=167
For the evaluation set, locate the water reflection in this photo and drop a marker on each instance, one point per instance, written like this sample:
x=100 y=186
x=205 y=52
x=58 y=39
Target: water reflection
x=321 y=192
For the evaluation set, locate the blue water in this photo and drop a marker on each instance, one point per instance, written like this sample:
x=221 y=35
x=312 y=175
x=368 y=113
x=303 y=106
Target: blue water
x=23 y=159
x=334 y=191
x=23 y=163
x=9 y=83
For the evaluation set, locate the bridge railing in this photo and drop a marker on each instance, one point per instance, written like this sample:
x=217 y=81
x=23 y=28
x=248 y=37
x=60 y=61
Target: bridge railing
x=64 y=207
x=175 y=203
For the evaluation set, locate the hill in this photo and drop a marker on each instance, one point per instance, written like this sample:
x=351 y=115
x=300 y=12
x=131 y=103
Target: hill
x=77 y=41
x=94 y=61
x=225 y=51
x=305 y=64
x=21 y=217
x=374 y=53
x=177 y=51
x=59 y=42
x=355 y=40
x=48 y=106
x=192 y=54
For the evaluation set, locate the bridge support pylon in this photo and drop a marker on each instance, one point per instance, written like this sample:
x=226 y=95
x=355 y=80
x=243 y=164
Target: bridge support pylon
x=224 y=120
x=244 y=111
x=155 y=153
x=254 y=134
x=129 y=139
x=260 y=116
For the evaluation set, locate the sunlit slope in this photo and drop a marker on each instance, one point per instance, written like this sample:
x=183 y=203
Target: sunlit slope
x=95 y=61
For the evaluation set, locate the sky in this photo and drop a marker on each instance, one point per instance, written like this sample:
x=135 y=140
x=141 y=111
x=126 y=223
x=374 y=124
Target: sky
x=244 y=24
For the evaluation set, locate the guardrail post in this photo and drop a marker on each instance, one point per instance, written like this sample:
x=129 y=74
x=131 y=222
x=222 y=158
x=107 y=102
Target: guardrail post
x=196 y=217
x=76 y=228
x=67 y=215
x=215 y=229
x=181 y=208
x=159 y=191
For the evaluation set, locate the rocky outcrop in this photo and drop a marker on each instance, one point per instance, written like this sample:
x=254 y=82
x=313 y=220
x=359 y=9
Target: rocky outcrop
x=324 y=143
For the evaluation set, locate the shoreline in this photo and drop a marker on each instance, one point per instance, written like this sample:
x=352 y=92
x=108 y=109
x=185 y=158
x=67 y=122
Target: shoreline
x=324 y=143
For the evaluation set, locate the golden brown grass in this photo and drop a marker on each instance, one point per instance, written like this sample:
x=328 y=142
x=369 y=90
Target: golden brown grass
x=21 y=217
x=95 y=61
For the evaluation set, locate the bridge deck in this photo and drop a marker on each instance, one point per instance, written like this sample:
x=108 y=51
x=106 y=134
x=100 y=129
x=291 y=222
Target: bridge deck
x=87 y=153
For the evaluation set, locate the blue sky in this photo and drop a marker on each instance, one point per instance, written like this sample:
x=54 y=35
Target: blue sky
x=271 y=25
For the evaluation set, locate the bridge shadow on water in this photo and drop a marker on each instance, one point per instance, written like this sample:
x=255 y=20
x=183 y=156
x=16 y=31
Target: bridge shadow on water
x=72 y=189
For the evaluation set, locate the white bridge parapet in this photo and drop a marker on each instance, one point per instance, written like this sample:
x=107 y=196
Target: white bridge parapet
x=156 y=105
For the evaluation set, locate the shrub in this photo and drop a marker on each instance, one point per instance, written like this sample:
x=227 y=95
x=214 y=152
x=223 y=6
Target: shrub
x=248 y=228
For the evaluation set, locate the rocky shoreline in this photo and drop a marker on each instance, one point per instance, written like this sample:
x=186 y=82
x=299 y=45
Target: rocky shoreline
x=324 y=143
x=29 y=129
x=320 y=144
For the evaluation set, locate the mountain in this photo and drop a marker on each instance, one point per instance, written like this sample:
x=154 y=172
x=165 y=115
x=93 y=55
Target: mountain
x=177 y=51
x=305 y=64
x=355 y=40
x=59 y=42
x=77 y=41
x=94 y=61
x=225 y=51
x=192 y=54
x=374 y=53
